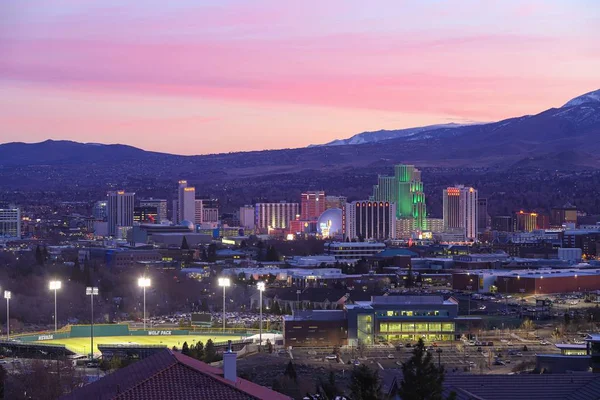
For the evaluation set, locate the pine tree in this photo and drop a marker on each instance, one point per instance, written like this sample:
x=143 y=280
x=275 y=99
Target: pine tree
x=422 y=379
x=184 y=244
x=365 y=384
x=275 y=309
x=76 y=271
x=210 y=353
x=185 y=349
x=212 y=252
x=327 y=389
x=199 y=351
x=39 y=257
x=290 y=371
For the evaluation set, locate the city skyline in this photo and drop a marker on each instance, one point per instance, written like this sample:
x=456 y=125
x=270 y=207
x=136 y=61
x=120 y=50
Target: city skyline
x=227 y=76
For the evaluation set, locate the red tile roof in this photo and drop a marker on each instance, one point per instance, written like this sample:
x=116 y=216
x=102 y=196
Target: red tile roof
x=171 y=375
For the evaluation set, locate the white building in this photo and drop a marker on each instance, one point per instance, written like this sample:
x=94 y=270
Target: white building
x=10 y=222
x=247 y=217
x=186 y=202
x=274 y=215
x=461 y=211
x=119 y=210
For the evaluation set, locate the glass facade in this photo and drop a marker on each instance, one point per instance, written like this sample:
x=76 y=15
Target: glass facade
x=393 y=331
x=365 y=328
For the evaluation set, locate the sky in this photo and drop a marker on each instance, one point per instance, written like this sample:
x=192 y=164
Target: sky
x=200 y=77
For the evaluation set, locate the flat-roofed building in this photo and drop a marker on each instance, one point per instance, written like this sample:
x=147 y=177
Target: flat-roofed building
x=402 y=318
x=352 y=251
x=316 y=328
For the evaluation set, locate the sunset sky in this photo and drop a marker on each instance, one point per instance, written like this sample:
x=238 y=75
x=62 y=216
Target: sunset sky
x=197 y=77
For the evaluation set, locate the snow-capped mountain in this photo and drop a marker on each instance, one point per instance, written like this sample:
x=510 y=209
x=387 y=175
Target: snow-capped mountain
x=378 y=136
x=591 y=97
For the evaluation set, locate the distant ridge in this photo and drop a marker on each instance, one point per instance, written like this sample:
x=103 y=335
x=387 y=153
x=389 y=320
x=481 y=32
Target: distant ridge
x=565 y=137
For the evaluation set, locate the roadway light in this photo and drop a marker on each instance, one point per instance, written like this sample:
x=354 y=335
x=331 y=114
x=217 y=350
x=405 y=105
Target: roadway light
x=144 y=282
x=92 y=291
x=55 y=285
x=261 y=288
x=224 y=282
x=7 y=296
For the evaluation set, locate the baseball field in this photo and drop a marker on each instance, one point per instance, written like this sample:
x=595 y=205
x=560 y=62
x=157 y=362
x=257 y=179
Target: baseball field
x=81 y=345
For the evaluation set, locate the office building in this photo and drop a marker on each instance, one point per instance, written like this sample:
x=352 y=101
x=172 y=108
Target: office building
x=186 y=202
x=159 y=204
x=145 y=214
x=402 y=318
x=10 y=222
x=405 y=190
x=350 y=252
x=435 y=225
x=119 y=210
x=503 y=223
x=525 y=221
x=312 y=205
x=369 y=220
x=206 y=211
x=563 y=215
x=247 y=216
x=586 y=240
x=270 y=216
x=99 y=210
x=460 y=210
x=483 y=219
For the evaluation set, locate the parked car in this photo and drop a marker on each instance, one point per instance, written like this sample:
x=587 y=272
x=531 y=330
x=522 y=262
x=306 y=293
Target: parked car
x=331 y=357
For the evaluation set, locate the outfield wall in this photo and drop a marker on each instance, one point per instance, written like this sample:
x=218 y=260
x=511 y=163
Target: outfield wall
x=106 y=330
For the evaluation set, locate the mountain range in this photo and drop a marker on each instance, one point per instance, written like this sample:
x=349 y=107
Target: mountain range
x=563 y=138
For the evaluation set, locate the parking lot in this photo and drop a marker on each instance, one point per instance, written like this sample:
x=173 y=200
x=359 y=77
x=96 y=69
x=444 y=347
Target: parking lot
x=456 y=357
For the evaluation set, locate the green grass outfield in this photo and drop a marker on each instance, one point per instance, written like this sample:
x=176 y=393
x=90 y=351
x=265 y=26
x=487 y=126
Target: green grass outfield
x=81 y=345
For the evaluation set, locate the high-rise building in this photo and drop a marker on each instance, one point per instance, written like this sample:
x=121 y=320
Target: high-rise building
x=10 y=222
x=543 y=221
x=369 y=220
x=483 y=219
x=247 y=216
x=405 y=190
x=186 y=204
x=312 y=205
x=460 y=210
x=119 y=210
x=525 y=221
x=335 y=202
x=159 y=204
x=274 y=215
x=563 y=215
x=206 y=211
x=99 y=210
x=145 y=215
x=435 y=225
x=502 y=223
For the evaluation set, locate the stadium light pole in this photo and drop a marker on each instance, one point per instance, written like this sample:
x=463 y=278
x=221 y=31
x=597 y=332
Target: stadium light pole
x=261 y=288
x=92 y=291
x=224 y=282
x=7 y=296
x=55 y=285
x=144 y=283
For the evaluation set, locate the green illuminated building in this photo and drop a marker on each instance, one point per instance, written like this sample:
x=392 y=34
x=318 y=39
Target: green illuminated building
x=406 y=190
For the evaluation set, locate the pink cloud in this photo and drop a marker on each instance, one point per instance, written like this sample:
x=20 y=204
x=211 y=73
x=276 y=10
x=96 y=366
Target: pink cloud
x=454 y=61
